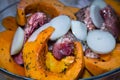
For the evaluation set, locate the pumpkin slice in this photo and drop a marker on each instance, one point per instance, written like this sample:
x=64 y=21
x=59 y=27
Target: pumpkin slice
x=105 y=63
x=52 y=8
x=10 y=23
x=35 y=61
x=6 y=61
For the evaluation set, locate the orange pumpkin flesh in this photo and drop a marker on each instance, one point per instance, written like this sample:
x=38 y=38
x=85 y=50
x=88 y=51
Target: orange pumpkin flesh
x=10 y=23
x=52 y=8
x=86 y=74
x=105 y=63
x=34 y=58
x=6 y=61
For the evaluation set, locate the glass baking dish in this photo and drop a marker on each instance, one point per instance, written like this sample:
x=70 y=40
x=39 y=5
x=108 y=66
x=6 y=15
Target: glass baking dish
x=9 y=9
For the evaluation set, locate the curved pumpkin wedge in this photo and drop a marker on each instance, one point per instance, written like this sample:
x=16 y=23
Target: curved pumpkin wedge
x=6 y=61
x=10 y=23
x=34 y=57
x=52 y=8
x=105 y=63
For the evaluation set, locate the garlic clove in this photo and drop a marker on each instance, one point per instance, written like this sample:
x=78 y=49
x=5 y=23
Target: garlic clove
x=79 y=29
x=95 y=16
x=17 y=42
x=61 y=24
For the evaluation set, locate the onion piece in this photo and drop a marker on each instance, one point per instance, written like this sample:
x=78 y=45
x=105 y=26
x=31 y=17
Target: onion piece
x=100 y=3
x=79 y=29
x=61 y=24
x=17 y=42
x=35 y=34
x=95 y=16
x=101 y=42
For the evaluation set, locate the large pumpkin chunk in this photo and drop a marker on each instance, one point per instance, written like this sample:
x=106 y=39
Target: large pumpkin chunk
x=6 y=61
x=105 y=63
x=35 y=61
x=52 y=8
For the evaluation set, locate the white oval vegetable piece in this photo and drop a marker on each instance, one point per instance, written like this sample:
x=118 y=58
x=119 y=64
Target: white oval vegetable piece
x=100 y=3
x=95 y=16
x=35 y=34
x=17 y=42
x=61 y=24
x=101 y=42
x=79 y=29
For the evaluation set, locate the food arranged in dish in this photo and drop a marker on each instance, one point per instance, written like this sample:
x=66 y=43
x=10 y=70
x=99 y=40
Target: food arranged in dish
x=47 y=40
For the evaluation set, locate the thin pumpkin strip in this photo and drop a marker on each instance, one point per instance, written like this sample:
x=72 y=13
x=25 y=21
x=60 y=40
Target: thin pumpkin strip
x=34 y=57
x=6 y=61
